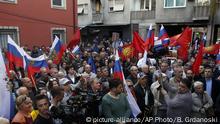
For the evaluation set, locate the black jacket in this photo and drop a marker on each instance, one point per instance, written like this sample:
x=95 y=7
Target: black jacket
x=140 y=95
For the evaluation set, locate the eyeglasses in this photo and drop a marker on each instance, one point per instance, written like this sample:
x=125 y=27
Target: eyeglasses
x=53 y=79
x=130 y=86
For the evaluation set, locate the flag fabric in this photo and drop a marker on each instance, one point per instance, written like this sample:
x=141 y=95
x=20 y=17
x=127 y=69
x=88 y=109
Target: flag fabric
x=149 y=43
x=75 y=39
x=7 y=103
x=158 y=45
x=138 y=43
x=92 y=64
x=76 y=50
x=14 y=54
x=163 y=36
x=173 y=40
x=117 y=68
x=143 y=60
x=59 y=49
x=120 y=48
x=218 y=58
x=198 y=60
x=127 y=52
x=119 y=74
x=214 y=49
x=184 y=42
x=33 y=65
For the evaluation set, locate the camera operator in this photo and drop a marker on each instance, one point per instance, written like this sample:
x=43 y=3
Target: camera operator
x=94 y=98
x=65 y=84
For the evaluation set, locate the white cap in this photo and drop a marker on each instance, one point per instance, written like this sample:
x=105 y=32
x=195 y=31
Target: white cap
x=64 y=81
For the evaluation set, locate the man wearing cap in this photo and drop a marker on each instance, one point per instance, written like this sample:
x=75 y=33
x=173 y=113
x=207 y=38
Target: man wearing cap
x=145 y=98
x=65 y=84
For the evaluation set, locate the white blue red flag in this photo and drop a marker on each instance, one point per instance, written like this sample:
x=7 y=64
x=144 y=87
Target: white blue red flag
x=118 y=73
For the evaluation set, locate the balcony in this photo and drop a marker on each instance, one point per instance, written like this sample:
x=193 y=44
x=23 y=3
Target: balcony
x=201 y=13
x=97 y=18
x=142 y=15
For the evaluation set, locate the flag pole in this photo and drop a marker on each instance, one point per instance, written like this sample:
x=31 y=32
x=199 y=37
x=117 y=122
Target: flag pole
x=34 y=82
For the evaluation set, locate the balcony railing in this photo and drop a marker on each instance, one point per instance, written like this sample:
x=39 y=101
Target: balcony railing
x=201 y=13
x=143 y=15
x=97 y=18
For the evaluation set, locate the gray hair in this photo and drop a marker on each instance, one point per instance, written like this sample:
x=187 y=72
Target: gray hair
x=197 y=83
x=4 y=121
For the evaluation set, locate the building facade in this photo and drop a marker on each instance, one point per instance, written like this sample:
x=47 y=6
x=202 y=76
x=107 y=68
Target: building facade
x=35 y=23
x=126 y=16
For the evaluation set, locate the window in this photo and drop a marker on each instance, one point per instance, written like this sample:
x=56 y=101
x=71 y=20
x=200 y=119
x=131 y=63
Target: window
x=58 y=4
x=82 y=9
x=4 y=32
x=9 y=1
x=116 y=5
x=202 y=2
x=146 y=4
x=97 y=6
x=60 y=33
x=174 y=3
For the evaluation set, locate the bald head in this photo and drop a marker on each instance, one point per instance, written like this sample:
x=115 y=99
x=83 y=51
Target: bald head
x=22 y=91
x=145 y=68
x=26 y=82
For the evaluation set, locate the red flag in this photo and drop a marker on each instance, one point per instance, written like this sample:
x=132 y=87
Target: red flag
x=138 y=43
x=211 y=49
x=127 y=52
x=173 y=40
x=75 y=39
x=198 y=60
x=184 y=42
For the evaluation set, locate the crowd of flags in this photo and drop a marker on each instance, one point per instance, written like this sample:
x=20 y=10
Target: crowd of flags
x=17 y=57
x=180 y=42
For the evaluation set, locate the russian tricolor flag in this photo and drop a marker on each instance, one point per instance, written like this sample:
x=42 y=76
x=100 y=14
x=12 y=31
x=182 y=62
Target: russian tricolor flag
x=59 y=49
x=163 y=36
x=33 y=65
x=14 y=53
x=158 y=45
x=7 y=102
x=117 y=68
x=119 y=74
x=150 y=38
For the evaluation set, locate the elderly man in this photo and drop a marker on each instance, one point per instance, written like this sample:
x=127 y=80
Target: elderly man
x=163 y=69
x=26 y=82
x=181 y=105
x=54 y=72
x=133 y=74
x=22 y=91
x=88 y=71
x=145 y=71
x=201 y=101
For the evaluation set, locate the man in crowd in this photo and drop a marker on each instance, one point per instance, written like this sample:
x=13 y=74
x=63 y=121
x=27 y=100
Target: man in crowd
x=42 y=104
x=114 y=103
x=181 y=104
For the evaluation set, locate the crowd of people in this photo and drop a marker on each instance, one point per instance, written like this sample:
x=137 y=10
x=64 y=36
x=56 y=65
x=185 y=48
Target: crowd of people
x=74 y=90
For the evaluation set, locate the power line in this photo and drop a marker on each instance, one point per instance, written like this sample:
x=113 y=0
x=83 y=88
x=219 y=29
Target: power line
x=34 y=19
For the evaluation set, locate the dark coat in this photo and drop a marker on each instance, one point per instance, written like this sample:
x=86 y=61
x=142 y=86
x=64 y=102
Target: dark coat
x=215 y=88
x=140 y=95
